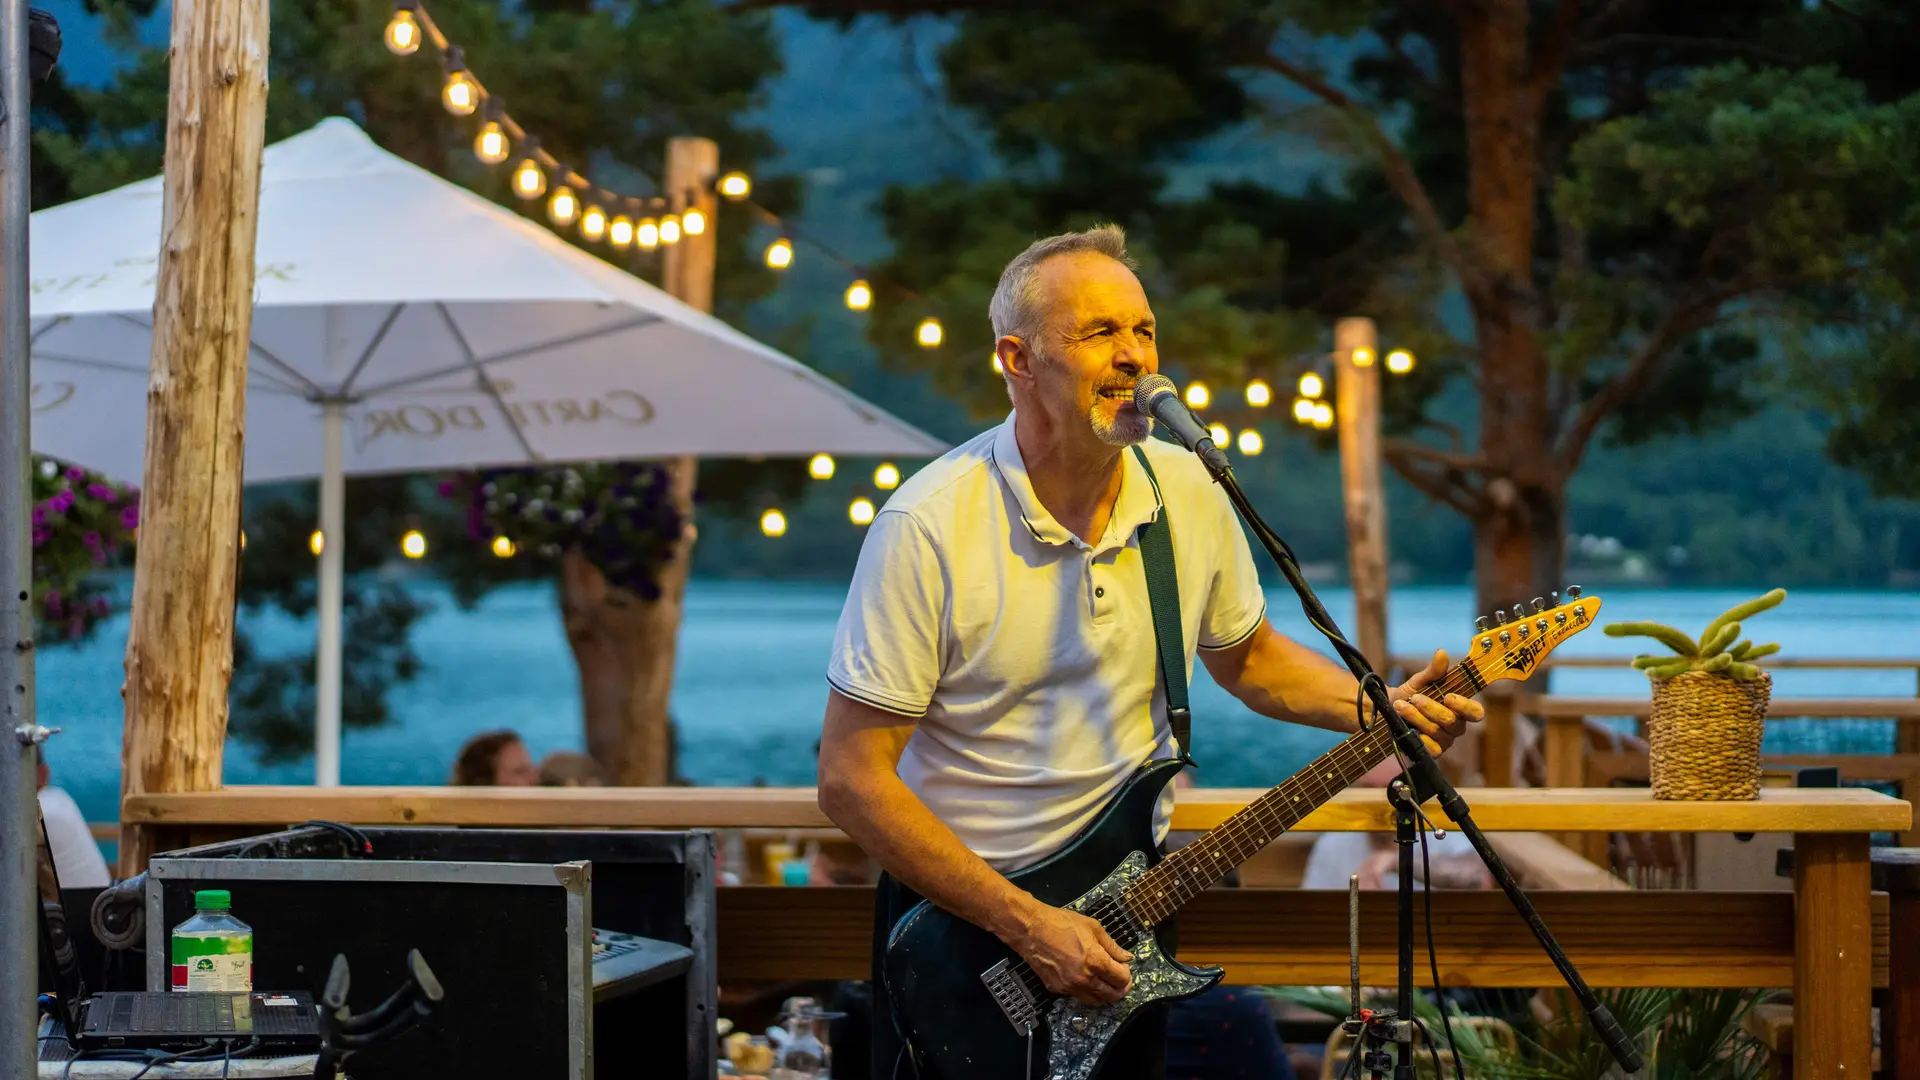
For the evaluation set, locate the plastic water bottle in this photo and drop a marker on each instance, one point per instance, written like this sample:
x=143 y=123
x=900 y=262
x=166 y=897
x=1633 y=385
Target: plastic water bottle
x=213 y=950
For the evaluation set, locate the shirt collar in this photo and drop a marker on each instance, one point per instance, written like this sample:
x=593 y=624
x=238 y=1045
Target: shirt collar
x=1139 y=500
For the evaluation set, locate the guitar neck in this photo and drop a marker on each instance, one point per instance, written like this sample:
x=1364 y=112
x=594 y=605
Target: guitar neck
x=1199 y=865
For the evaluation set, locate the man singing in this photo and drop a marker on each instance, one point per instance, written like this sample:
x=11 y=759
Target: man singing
x=994 y=671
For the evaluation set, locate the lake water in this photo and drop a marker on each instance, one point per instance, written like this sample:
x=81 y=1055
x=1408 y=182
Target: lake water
x=750 y=690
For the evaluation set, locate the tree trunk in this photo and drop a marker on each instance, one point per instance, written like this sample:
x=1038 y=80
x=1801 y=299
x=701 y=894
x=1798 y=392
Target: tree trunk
x=180 y=646
x=626 y=646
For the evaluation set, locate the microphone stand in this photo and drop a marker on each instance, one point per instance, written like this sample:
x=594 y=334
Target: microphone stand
x=1428 y=782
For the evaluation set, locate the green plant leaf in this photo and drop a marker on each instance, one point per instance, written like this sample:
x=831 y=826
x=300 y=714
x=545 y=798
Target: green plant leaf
x=1718 y=641
x=1743 y=612
x=1679 y=665
x=1739 y=652
x=1664 y=634
x=1759 y=651
x=1743 y=672
x=1717 y=664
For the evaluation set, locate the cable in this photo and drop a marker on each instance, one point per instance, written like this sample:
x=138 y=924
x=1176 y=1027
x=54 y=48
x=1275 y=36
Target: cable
x=358 y=846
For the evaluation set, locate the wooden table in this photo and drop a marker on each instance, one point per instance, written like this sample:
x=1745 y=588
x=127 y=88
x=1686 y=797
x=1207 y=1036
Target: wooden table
x=1821 y=940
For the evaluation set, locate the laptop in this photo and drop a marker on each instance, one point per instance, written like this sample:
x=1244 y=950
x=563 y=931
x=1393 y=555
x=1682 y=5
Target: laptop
x=158 y=1020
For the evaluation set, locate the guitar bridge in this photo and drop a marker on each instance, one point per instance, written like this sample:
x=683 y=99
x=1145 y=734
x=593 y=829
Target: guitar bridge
x=1016 y=1001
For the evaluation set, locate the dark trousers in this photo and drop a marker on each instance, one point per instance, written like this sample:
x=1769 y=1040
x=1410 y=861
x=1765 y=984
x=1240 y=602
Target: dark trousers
x=1140 y=1053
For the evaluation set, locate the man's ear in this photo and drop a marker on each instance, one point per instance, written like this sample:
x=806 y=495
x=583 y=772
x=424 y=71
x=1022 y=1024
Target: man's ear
x=1016 y=359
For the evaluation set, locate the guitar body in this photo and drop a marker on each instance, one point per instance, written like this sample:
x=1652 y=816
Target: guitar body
x=936 y=965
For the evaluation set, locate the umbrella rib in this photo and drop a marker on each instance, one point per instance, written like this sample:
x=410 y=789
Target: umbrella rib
x=129 y=369
x=366 y=357
x=56 y=322
x=512 y=354
x=312 y=388
x=485 y=381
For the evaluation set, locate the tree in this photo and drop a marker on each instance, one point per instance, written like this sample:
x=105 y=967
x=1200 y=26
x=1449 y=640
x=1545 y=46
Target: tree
x=603 y=87
x=1626 y=200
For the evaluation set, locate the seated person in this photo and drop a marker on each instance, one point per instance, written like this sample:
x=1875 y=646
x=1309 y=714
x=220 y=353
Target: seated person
x=570 y=768
x=494 y=759
x=76 y=857
x=1372 y=855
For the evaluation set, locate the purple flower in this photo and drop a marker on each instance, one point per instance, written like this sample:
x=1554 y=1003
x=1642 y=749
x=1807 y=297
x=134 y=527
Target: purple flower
x=99 y=557
x=41 y=534
x=98 y=605
x=61 y=502
x=446 y=489
x=53 y=604
x=91 y=539
x=40 y=514
x=130 y=517
x=101 y=492
x=76 y=474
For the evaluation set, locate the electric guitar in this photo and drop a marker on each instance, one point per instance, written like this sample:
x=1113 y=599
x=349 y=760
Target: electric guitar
x=968 y=1007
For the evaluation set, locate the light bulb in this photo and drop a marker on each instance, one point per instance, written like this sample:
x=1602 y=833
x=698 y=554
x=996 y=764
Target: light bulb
x=413 y=545
x=861 y=511
x=1311 y=385
x=886 y=477
x=460 y=95
x=243 y=539
x=1363 y=358
x=529 y=182
x=1303 y=409
x=403 y=33
x=735 y=185
x=669 y=229
x=648 y=234
x=1259 y=394
x=620 y=232
x=1399 y=361
x=930 y=335
x=317 y=543
x=564 y=208
x=693 y=222
x=593 y=223
x=1219 y=434
x=859 y=296
x=1250 y=442
x=780 y=254
x=821 y=467
x=773 y=523
x=1322 y=415
x=1197 y=395
x=503 y=547
x=491 y=145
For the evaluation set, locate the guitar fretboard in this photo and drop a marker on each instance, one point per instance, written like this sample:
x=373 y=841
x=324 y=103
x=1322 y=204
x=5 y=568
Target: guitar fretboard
x=1192 y=869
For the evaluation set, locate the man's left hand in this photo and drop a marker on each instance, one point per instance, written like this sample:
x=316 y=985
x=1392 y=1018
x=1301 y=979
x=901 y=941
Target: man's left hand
x=1438 y=722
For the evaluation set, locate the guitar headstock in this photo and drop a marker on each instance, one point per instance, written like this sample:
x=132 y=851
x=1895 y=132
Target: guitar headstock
x=1512 y=644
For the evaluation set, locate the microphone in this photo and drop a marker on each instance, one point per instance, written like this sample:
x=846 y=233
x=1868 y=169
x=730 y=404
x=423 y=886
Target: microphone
x=43 y=48
x=1155 y=396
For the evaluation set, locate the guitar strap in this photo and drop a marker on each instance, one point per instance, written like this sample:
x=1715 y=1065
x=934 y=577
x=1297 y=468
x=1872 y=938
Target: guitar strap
x=1163 y=593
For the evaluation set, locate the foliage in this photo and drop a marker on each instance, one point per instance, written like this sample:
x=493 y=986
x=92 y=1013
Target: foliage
x=620 y=516
x=1716 y=652
x=82 y=525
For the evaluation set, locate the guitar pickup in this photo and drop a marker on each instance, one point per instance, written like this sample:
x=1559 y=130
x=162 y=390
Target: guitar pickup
x=1010 y=992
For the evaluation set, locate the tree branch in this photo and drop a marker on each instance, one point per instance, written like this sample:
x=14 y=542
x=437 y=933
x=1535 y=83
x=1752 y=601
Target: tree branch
x=1399 y=171
x=1466 y=463
x=1428 y=87
x=1746 y=48
x=1555 y=46
x=1442 y=485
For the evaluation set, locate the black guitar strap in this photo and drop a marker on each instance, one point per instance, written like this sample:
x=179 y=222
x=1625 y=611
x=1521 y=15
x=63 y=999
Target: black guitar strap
x=1163 y=593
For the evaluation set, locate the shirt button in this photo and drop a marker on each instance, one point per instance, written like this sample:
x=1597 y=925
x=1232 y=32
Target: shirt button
x=1100 y=591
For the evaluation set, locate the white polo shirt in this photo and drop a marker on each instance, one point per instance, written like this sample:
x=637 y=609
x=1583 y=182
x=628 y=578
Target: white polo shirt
x=1028 y=653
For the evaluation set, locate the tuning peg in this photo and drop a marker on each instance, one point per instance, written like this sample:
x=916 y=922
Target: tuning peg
x=1539 y=605
x=1480 y=624
x=1500 y=615
x=1573 y=592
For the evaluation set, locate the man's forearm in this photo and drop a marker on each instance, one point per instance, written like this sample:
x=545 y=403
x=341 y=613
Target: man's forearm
x=896 y=829
x=1287 y=681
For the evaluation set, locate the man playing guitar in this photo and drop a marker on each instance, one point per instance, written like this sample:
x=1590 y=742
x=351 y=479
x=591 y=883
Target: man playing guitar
x=994 y=670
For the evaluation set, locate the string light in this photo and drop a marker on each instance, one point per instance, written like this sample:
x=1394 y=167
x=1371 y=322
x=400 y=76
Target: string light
x=735 y=186
x=773 y=523
x=780 y=254
x=528 y=181
x=1251 y=443
x=998 y=367
x=620 y=232
x=316 y=543
x=1197 y=395
x=1311 y=385
x=403 y=31
x=670 y=229
x=1322 y=415
x=693 y=222
x=1259 y=394
x=503 y=547
x=593 y=223
x=861 y=511
x=413 y=545
x=459 y=94
x=243 y=539
x=1363 y=358
x=564 y=208
x=930 y=335
x=860 y=295
x=1399 y=361
x=1303 y=410
x=821 y=467
x=648 y=234
x=886 y=477
x=491 y=145
x=1219 y=434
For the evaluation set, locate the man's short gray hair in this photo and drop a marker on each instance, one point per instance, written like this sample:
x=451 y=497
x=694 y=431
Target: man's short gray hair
x=1016 y=300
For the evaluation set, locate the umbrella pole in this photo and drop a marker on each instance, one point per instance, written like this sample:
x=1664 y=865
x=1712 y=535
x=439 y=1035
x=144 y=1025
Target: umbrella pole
x=333 y=532
x=19 y=926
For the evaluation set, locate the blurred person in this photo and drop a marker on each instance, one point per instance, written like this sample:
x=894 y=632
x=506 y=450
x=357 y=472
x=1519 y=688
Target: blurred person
x=495 y=759
x=571 y=768
x=1373 y=855
x=76 y=856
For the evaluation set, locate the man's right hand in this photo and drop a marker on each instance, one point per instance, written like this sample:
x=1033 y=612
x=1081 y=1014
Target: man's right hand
x=1073 y=955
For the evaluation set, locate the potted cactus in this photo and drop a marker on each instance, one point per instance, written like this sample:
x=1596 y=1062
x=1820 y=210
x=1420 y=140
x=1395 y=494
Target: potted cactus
x=1709 y=705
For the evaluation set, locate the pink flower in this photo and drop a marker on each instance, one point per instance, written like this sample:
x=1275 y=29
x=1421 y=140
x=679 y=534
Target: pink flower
x=61 y=502
x=40 y=514
x=101 y=492
x=130 y=517
x=76 y=474
x=41 y=534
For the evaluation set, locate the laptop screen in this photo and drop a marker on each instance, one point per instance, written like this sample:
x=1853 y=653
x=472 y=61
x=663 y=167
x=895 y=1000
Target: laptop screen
x=59 y=959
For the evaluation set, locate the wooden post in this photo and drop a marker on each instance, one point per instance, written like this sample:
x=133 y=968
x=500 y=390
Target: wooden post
x=1900 y=1010
x=1356 y=365
x=626 y=645
x=1832 y=957
x=180 y=645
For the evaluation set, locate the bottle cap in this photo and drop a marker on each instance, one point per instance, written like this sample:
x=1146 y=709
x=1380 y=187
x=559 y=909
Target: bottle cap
x=215 y=899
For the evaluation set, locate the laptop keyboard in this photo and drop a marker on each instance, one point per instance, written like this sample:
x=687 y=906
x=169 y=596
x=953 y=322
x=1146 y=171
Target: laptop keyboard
x=179 y=1014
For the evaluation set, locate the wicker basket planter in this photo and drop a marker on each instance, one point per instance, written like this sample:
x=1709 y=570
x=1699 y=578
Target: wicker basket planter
x=1704 y=735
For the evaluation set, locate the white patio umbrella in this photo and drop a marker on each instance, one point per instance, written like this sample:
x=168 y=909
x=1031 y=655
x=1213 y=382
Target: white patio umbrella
x=404 y=324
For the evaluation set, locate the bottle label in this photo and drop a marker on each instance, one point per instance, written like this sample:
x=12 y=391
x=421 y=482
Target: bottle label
x=213 y=962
